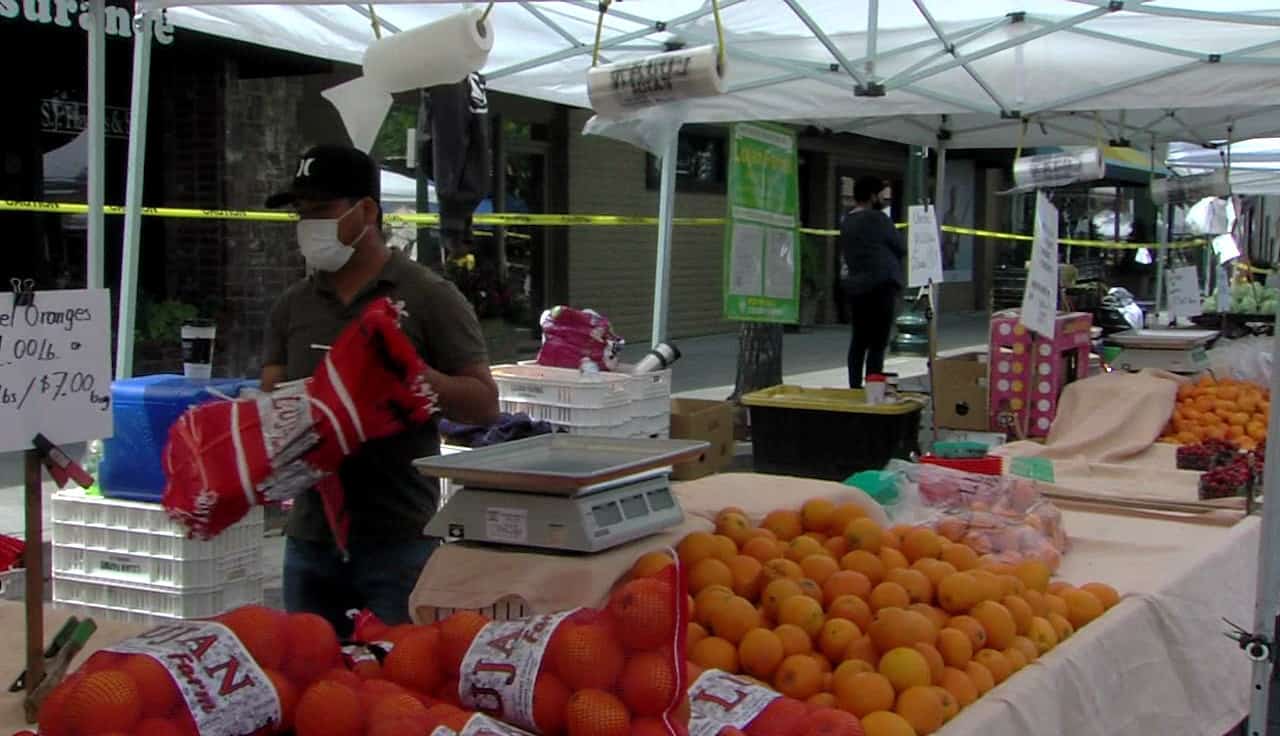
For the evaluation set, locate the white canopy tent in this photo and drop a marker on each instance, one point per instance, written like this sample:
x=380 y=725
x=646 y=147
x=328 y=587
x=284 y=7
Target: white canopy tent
x=1254 y=165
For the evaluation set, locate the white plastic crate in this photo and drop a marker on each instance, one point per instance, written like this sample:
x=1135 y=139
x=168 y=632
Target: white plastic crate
x=580 y=418
x=561 y=386
x=148 y=570
x=655 y=385
x=117 y=601
x=94 y=522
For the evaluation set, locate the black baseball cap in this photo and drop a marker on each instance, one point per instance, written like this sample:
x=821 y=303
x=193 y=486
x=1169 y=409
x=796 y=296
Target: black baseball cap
x=331 y=172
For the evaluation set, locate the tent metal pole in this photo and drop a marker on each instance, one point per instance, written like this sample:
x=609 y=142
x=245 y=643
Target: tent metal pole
x=1162 y=236
x=1208 y=15
x=1267 y=604
x=873 y=32
x=96 y=98
x=666 y=216
x=942 y=36
x=825 y=40
x=139 y=98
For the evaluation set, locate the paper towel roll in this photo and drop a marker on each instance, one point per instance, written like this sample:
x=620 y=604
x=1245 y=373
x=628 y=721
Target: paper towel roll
x=442 y=52
x=616 y=89
x=1059 y=169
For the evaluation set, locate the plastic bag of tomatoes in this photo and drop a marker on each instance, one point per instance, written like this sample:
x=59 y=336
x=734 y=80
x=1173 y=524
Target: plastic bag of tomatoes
x=237 y=675
x=728 y=705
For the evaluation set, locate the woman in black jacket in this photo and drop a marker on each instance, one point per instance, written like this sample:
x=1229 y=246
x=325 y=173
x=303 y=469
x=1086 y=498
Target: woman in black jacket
x=873 y=254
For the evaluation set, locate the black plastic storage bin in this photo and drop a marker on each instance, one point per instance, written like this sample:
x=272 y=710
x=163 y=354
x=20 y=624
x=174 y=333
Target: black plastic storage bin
x=829 y=433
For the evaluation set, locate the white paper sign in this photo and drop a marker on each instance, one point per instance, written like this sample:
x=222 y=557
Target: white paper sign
x=55 y=368
x=924 y=247
x=1040 y=300
x=1183 y=289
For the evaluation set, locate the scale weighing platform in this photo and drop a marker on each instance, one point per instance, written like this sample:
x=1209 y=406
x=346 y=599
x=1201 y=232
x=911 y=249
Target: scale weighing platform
x=1176 y=351
x=561 y=491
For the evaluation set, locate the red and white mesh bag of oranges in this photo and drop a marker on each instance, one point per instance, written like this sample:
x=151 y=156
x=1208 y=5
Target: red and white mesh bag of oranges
x=237 y=675
x=722 y=704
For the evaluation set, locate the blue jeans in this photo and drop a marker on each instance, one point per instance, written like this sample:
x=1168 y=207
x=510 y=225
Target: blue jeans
x=378 y=576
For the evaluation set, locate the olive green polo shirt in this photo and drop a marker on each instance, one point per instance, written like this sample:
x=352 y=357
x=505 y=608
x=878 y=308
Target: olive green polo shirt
x=385 y=497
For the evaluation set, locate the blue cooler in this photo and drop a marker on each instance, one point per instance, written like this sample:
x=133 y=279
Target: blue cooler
x=142 y=410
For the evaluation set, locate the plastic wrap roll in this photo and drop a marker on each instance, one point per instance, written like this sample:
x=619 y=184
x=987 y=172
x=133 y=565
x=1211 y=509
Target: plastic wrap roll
x=1189 y=189
x=617 y=89
x=443 y=52
x=1058 y=169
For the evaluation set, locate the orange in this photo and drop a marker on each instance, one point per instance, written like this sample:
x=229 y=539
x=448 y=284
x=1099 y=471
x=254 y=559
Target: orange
x=1020 y=610
x=399 y=707
x=950 y=708
x=866 y=563
x=845 y=582
x=862 y=693
x=694 y=634
x=952 y=528
x=980 y=676
x=735 y=526
x=819 y=567
x=460 y=629
x=329 y=708
x=823 y=702
x=955 y=646
x=650 y=564
x=696 y=547
x=886 y=723
x=1061 y=626
x=550 y=696
x=103 y=701
x=922 y=708
x=850 y=667
x=734 y=618
x=816 y=513
x=990 y=588
x=811 y=589
x=998 y=623
x=707 y=601
x=762 y=548
x=776 y=592
x=596 y=713
x=728 y=510
x=1042 y=634
x=311 y=647
x=1105 y=594
x=864 y=534
x=748 y=575
x=645 y=612
x=960 y=685
x=905 y=667
x=260 y=629
x=794 y=639
x=893 y=558
x=1057 y=604
x=835 y=637
x=1057 y=587
x=862 y=649
x=933 y=569
x=996 y=662
x=959 y=593
x=1027 y=647
x=156 y=687
x=714 y=653
x=1082 y=607
x=725 y=548
x=584 y=655
x=799 y=677
x=760 y=652
x=786 y=525
x=920 y=543
x=1016 y=659
x=914 y=582
x=412 y=662
x=938 y=616
x=802 y=611
x=287 y=693
x=836 y=547
x=344 y=676
x=1035 y=599
x=708 y=572
x=890 y=540
x=648 y=684
x=1033 y=573
x=971 y=627
x=1011 y=584
x=782 y=568
x=842 y=515
x=931 y=655
x=887 y=594
x=802 y=547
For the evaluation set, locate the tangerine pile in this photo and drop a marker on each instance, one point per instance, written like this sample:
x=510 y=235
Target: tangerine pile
x=900 y=627
x=1220 y=409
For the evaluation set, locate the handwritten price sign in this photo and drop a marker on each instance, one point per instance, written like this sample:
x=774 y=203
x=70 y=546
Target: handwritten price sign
x=55 y=375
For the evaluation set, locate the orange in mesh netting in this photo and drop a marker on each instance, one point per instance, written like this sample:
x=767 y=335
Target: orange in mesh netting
x=731 y=705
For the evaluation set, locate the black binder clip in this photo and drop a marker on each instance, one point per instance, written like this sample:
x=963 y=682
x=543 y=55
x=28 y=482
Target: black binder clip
x=24 y=292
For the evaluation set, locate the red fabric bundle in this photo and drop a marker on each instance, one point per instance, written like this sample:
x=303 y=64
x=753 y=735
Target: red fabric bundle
x=226 y=456
x=569 y=335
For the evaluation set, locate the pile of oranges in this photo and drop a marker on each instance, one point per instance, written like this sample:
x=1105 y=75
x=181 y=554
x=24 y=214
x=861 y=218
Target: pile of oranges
x=900 y=627
x=1225 y=409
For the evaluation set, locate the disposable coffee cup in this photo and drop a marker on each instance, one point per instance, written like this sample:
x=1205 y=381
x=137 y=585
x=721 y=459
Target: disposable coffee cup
x=197 y=348
x=875 y=389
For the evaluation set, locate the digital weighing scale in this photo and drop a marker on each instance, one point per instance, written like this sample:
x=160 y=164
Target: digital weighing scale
x=1176 y=351
x=561 y=491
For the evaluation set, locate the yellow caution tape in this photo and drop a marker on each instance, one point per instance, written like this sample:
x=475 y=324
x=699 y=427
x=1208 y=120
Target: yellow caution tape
x=540 y=220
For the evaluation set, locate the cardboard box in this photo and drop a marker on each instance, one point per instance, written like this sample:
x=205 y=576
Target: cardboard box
x=709 y=421
x=960 y=393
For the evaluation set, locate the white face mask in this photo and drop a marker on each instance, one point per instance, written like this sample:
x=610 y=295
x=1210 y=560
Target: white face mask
x=321 y=248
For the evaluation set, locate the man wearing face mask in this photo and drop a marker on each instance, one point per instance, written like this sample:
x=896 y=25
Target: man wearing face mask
x=335 y=193
x=873 y=254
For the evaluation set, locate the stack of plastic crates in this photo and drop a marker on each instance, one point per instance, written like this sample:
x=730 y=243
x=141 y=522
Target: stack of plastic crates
x=608 y=404
x=128 y=561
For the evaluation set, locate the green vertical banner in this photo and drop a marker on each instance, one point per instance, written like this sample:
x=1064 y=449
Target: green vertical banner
x=761 y=247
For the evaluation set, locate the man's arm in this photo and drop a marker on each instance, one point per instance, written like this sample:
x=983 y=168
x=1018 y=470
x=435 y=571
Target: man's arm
x=469 y=396
x=271 y=376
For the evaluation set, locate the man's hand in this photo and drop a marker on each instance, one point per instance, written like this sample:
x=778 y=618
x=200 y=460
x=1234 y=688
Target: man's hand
x=469 y=396
x=271 y=375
